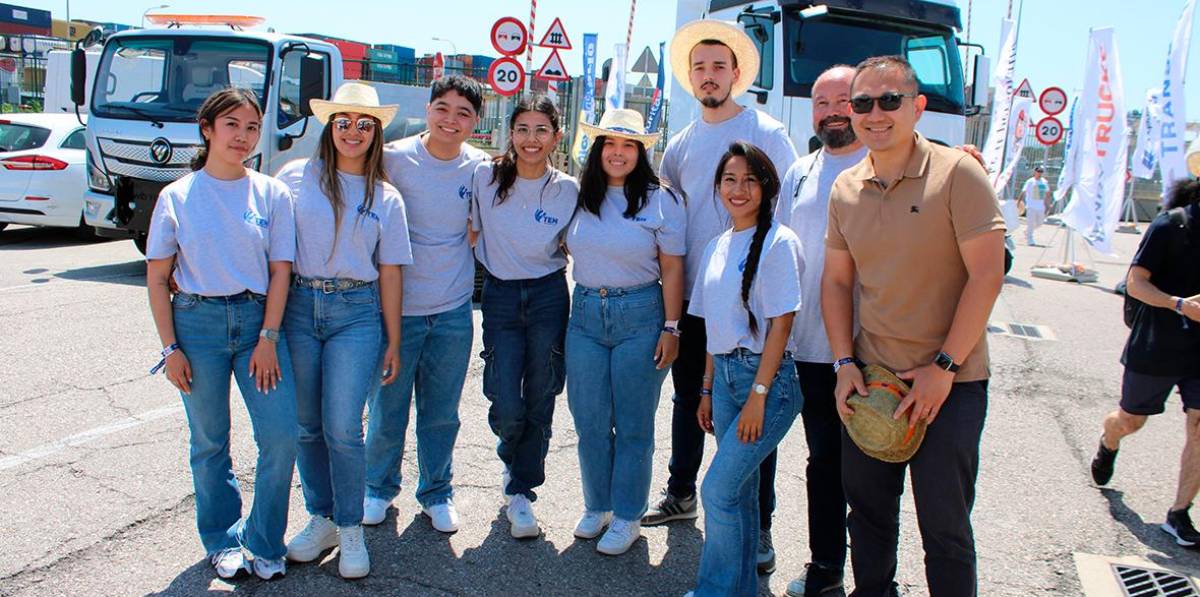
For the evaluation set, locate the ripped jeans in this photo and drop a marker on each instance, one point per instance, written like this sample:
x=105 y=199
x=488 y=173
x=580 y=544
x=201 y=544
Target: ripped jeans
x=524 y=326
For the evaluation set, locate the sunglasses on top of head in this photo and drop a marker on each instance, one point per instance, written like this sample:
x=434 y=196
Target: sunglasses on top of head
x=364 y=125
x=888 y=102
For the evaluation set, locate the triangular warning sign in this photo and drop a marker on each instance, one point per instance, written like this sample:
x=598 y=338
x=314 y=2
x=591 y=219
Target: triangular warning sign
x=556 y=37
x=1024 y=89
x=645 y=63
x=645 y=82
x=553 y=69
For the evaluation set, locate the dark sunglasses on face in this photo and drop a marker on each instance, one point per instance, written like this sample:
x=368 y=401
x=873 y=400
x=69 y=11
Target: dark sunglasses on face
x=364 y=125
x=888 y=102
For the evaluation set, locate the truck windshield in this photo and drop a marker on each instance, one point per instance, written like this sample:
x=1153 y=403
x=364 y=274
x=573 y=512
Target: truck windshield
x=815 y=44
x=166 y=78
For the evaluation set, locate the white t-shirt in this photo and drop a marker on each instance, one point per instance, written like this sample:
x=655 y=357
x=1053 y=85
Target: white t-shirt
x=613 y=251
x=521 y=238
x=689 y=164
x=366 y=238
x=223 y=232
x=437 y=200
x=717 y=296
x=803 y=206
x=1035 y=191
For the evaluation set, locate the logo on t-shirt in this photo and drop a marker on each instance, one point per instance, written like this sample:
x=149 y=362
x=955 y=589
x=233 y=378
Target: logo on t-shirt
x=742 y=264
x=544 y=218
x=363 y=211
x=464 y=192
x=638 y=219
x=912 y=209
x=255 y=219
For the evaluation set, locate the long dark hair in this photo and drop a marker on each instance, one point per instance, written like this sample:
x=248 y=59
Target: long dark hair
x=504 y=171
x=217 y=104
x=331 y=185
x=593 y=182
x=768 y=180
x=1184 y=193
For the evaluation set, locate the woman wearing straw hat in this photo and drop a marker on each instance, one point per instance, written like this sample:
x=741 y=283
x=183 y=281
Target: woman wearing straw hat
x=627 y=242
x=352 y=239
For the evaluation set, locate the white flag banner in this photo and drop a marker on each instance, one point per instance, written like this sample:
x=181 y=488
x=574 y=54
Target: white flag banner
x=993 y=150
x=1020 y=124
x=1070 y=170
x=1095 y=206
x=1172 y=146
x=1145 y=154
x=614 y=88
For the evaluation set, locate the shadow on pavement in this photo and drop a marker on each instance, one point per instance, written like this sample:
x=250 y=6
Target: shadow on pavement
x=131 y=273
x=33 y=237
x=1170 y=555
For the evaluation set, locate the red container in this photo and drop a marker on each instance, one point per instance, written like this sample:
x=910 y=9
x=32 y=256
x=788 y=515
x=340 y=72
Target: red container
x=353 y=53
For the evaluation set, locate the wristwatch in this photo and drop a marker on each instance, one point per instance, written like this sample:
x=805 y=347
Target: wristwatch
x=946 y=362
x=271 y=335
x=760 y=389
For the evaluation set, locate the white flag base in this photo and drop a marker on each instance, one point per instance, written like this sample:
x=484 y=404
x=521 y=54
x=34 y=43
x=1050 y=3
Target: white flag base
x=1067 y=269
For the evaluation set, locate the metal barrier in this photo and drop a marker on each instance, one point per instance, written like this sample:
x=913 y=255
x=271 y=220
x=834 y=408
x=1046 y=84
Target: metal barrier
x=23 y=70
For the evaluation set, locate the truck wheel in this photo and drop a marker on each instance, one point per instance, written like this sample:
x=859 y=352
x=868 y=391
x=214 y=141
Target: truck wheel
x=140 y=242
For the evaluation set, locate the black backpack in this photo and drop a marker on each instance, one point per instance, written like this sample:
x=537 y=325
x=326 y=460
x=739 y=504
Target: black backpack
x=1180 y=218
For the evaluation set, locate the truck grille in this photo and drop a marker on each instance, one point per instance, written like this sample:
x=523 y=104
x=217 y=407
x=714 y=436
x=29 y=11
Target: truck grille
x=132 y=158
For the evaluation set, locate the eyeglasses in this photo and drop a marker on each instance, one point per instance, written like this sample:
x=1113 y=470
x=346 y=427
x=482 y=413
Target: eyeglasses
x=888 y=102
x=541 y=132
x=364 y=125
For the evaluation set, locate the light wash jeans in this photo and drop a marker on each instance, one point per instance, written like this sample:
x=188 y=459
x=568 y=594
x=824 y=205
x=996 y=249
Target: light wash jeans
x=435 y=351
x=334 y=340
x=613 y=388
x=218 y=335
x=730 y=489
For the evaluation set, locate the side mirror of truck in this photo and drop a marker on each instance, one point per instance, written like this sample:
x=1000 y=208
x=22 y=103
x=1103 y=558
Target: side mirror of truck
x=980 y=80
x=78 y=76
x=312 y=82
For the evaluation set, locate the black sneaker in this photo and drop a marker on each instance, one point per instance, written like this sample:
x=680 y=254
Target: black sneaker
x=1102 y=465
x=1179 y=525
x=766 y=552
x=817 y=580
x=671 y=508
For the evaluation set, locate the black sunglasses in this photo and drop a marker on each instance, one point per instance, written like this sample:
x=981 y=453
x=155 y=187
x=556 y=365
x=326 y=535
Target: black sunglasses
x=888 y=102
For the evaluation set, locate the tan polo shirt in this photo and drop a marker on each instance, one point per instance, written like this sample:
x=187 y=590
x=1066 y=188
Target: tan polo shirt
x=904 y=241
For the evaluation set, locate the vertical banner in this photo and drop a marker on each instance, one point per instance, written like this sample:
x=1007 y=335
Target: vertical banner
x=1172 y=146
x=1070 y=170
x=1145 y=154
x=1020 y=122
x=1095 y=206
x=587 y=112
x=993 y=150
x=656 y=103
x=614 y=88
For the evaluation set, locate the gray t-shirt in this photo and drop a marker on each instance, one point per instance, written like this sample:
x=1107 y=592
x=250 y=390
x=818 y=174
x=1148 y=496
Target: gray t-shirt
x=437 y=199
x=223 y=232
x=521 y=238
x=613 y=251
x=803 y=206
x=365 y=238
x=690 y=163
x=717 y=296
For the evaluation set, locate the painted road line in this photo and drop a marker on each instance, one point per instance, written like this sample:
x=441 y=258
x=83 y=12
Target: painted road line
x=84 y=437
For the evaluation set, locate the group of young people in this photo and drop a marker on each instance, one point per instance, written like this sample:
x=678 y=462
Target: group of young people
x=760 y=279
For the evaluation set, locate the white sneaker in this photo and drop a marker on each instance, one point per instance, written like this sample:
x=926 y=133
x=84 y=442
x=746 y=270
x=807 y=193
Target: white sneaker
x=319 y=535
x=230 y=563
x=520 y=515
x=591 y=524
x=353 y=561
x=443 y=516
x=620 y=537
x=374 y=510
x=269 y=569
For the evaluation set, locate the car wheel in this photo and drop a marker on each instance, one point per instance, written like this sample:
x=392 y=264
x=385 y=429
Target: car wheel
x=3 y=225
x=140 y=242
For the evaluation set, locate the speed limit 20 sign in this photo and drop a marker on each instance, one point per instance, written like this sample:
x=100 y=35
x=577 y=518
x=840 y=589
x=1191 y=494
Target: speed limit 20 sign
x=505 y=76
x=1049 y=130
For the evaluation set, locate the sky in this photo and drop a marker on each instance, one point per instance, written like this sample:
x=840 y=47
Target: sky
x=1051 y=50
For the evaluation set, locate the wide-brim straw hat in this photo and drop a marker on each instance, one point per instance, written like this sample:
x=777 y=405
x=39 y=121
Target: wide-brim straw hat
x=622 y=123
x=872 y=427
x=356 y=97
x=725 y=32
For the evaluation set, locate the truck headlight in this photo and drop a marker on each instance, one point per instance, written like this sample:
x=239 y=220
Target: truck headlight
x=97 y=180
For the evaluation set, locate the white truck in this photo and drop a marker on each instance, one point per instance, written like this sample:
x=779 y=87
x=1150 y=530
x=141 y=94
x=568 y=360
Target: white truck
x=798 y=39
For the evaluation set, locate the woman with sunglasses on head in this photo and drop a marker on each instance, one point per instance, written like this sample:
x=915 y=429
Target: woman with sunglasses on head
x=748 y=292
x=627 y=242
x=521 y=208
x=225 y=235
x=352 y=239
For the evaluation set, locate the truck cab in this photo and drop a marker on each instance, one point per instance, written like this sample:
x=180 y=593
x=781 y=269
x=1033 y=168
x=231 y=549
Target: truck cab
x=144 y=95
x=798 y=39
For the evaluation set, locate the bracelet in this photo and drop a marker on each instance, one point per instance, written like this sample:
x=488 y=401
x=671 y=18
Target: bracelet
x=1179 y=305
x=670 y=330
x=166 y=352
x=706 y=391
x=672 y=323
x=843 y=362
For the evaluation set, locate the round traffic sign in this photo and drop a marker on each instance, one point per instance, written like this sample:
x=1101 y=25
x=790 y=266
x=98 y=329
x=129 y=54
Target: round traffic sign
x=1049 y=130
x=509 y=36
x=1053 y=100
x=505 y=76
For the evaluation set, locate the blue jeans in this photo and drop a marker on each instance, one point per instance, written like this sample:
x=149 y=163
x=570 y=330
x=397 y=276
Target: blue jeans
x=730 y=489
x=435 y=351
x=218 y=335
x=334 y=340
x=524 y=322
x=612 y=389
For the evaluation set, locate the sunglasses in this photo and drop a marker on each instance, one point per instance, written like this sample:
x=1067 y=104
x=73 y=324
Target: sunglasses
x=888 y=102
x=364 y=125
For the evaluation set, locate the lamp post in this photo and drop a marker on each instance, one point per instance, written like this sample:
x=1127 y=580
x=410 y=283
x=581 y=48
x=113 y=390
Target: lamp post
x=453 y=48
x=147 y=11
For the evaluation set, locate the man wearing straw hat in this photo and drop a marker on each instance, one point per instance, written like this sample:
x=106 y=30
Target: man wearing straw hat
x=716 y=62
x=918 y=228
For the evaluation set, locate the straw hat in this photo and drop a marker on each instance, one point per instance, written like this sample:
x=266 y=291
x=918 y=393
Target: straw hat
x=621 y=123
x=357 y=97
x=725 y=32
x=872 y=427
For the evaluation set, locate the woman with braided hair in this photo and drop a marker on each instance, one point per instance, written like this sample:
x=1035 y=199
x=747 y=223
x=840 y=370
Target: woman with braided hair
x=747 y=291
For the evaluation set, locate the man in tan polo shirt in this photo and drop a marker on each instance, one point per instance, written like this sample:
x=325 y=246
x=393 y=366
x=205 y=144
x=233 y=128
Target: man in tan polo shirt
x=918 y=227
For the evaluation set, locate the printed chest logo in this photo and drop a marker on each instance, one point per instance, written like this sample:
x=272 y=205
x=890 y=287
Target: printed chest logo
x=541 y=217
x=255 y=219
x=914 y=209
x=464 y=192
x=363 y=211
x=742 y=264
x=638 y=219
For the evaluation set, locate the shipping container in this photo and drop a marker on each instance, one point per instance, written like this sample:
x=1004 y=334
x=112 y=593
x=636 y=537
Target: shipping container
x=354 y=54
x=73 y=31
x=24 y=21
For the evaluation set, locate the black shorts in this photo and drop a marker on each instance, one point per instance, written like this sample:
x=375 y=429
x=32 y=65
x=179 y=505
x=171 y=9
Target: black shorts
x=1143 y=394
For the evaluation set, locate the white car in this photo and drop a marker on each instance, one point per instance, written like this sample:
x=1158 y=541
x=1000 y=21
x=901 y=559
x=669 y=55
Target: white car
x=42 y=170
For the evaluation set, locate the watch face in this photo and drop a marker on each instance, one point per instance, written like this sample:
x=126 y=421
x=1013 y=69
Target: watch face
x=760 y=389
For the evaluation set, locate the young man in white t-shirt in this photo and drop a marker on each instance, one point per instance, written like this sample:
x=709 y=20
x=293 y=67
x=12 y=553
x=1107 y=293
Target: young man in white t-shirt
x=1035 y=194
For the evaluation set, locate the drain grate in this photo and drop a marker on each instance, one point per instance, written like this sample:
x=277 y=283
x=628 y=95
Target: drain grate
x=1148 y=582
x=1026 y=331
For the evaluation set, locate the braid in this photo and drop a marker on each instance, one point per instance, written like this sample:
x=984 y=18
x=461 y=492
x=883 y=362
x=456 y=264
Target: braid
x=756 y=247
